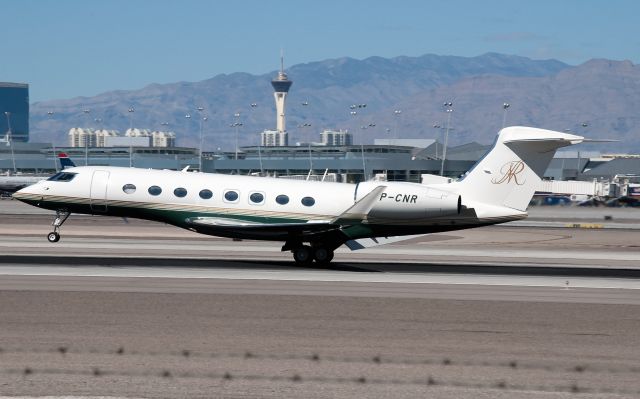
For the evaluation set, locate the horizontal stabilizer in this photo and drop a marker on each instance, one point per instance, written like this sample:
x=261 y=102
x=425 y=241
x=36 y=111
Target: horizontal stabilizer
x=363 y=243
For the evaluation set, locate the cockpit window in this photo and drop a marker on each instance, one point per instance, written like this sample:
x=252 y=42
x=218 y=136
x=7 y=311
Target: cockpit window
x=62 y=176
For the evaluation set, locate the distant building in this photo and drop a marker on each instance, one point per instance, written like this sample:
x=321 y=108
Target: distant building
x=336 y=137
x=102 y=136
x=14 y=109
x=274 y=138
x=86 y=137
x=163 y=139
x=82 y=137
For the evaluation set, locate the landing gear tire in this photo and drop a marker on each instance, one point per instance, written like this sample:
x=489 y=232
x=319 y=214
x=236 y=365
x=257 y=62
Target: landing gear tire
x=322 y=255
x=53 y=236
x=61 y=217
x=303 y=255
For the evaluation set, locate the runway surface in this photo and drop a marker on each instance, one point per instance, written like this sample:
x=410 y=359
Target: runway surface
x=140 y=309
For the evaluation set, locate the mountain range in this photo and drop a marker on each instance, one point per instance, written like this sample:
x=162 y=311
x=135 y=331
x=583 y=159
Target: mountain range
x=599 y=98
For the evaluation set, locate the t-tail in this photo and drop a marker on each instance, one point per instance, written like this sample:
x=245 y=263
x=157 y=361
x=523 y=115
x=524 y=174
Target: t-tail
x=508 y=175
x=65 y=161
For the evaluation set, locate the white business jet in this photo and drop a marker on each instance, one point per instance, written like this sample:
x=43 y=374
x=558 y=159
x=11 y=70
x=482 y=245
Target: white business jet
x=311 y=218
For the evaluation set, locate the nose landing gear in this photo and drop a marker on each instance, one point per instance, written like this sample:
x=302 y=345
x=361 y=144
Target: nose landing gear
x=61 y=216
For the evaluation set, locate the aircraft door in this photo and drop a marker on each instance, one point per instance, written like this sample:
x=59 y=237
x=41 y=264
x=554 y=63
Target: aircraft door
x=99 y=183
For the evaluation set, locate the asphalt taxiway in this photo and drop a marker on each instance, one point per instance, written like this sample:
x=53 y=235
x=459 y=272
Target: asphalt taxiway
x=139 y=309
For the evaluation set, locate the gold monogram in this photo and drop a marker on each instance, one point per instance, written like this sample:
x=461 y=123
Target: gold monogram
x=510 y=171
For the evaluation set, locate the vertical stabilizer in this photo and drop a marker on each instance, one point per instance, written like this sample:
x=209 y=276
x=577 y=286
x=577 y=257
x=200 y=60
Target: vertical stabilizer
x=510 y=172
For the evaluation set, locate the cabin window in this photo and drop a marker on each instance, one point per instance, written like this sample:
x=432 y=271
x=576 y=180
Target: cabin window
x=282 y=199
x=129 y=188
x=205 y=194
x=256 y=198
x=180 y=192
x=308 y=201
x=62 y=176
x=231 y=196
x=154 y=190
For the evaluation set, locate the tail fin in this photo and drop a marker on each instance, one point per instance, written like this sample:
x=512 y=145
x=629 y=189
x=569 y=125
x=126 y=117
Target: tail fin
x=65 y=161
x=510 y=172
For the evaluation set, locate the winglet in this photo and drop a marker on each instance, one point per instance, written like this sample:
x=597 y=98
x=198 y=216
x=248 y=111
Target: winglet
x=359 y=211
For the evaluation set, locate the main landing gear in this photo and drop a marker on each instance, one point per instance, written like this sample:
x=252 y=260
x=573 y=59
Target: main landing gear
x=305 y=255
x=61 y=216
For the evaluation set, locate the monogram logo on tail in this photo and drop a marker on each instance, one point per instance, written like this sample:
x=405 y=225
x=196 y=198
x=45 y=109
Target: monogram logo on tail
x=509 y=172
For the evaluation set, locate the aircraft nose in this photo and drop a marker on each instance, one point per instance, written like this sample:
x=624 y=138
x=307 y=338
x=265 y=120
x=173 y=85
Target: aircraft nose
x=29 y=194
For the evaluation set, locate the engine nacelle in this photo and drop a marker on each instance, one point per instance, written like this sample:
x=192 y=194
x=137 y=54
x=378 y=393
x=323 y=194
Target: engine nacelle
x=406 y=201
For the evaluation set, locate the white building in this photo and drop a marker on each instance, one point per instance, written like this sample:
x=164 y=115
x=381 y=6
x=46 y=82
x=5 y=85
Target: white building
x=103 y=134
x=163 y=139
x=82 y=137
x=274 y=138
x=336 y=137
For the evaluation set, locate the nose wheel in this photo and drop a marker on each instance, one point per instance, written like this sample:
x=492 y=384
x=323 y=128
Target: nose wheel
x=54 y=236
x=61 y=217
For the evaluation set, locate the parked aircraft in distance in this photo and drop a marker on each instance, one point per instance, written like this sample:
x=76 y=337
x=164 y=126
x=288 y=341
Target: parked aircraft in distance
x=311 y=218
x=12 y=183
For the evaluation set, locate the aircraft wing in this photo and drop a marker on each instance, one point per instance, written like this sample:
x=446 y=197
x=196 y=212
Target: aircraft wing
x=240 y=228
x=232 y=227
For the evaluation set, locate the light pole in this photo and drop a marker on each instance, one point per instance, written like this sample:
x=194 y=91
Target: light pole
x=353 y=113
x=449 y=109
x=55 y=163
x=397 y=114
x=131 y=110
x=201 y=119
x=86 y=112
x=252 y=118
x=236 y=124
x=10 y=139
x=504 y=114
x=438 y=127
x=578 y=168
x=302 y=127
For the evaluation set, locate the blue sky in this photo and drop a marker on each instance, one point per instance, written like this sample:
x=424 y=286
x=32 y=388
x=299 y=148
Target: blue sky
x=69 y=48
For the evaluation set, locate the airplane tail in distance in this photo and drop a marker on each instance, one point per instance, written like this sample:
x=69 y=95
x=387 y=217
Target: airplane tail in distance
x=65 y=161
x=510 y=172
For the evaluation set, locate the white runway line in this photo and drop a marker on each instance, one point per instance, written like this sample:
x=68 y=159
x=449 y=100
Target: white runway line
x=71 y=244
x=323 y=276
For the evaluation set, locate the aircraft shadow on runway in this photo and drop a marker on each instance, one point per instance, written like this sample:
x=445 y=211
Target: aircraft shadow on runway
x=354 y=267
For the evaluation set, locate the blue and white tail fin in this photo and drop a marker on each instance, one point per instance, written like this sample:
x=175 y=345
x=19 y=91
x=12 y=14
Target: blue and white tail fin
x=508 y=175
x=65 y=161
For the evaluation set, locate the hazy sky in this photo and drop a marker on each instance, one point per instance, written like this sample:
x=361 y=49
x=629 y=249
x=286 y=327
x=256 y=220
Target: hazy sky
x=69 y=48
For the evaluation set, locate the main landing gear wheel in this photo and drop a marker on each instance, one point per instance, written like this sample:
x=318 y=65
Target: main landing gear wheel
x=303 y=255
x=53 y=236
x=322 y=255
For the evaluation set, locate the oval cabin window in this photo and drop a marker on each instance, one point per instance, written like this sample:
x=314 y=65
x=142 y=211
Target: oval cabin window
x=256 y=198
x=129 y=188
x=308 y=201
x=205 y=194
x=154 y=190
x=231 y=196
x=282 y=199
x=180 y=192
